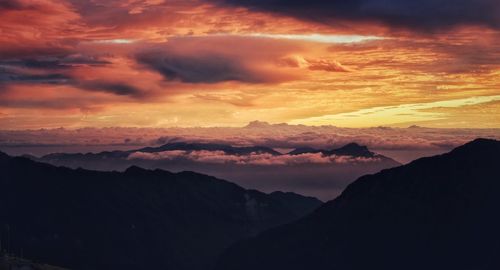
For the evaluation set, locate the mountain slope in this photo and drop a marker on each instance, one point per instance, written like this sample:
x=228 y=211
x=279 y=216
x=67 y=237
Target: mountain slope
x=434 y=213
x=138 y=219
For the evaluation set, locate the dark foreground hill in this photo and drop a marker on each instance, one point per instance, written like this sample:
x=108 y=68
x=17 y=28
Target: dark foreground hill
x=434 y=213
x=137 y=219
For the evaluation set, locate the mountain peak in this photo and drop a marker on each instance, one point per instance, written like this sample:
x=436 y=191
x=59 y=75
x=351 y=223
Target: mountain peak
x=303 y=150
x=257 y=124
x=3 y=155
x=135 y=169
x=354 y=146
x=353 y=149
x=478 y=144
x=481 y=148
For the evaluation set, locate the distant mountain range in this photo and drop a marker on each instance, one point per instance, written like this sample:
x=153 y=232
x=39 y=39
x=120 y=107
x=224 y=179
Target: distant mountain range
x=69 y=159
x=86 y=160
x=435 y=213
x=227 y=149
x=136 y=219
x=320 y=173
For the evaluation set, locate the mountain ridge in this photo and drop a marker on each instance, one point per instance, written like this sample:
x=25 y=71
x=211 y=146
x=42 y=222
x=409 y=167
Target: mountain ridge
x=135 y=219
x=436 y=212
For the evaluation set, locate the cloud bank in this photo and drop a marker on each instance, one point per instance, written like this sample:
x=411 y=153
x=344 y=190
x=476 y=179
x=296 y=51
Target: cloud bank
x=220 y=157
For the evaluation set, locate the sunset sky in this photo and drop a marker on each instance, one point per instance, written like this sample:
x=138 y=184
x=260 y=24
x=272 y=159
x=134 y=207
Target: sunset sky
x=186 y=63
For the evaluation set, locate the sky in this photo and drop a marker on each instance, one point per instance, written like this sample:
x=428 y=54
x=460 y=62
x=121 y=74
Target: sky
x=209 y=63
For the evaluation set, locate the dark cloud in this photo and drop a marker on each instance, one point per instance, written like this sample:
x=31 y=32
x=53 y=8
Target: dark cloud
x=16 y=76
x=55 y=104
x=34 y=51
x=200 y=68
x=55 y=70
x=54 y=62
x=11 y=4
x=116 y=88
x=424 y=15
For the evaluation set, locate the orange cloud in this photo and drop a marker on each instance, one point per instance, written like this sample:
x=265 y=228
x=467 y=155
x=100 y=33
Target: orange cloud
x=191 y=63
x=330 y=66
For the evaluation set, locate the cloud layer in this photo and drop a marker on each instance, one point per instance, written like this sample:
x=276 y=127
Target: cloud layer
x=260 y=159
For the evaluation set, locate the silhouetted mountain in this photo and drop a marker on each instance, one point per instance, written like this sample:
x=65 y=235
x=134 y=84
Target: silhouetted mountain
x=434 y=213
x=92 y=160
x=304 y=150
x=258 y=124
x=137 y=219
x=351 y=149
x=227 y=149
